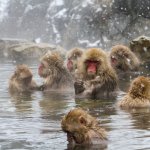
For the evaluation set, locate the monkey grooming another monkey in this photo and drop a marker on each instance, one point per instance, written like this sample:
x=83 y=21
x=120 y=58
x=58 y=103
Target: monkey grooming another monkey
x=21 y=80
x=56 y=76
x=98 y=79
x=138 y=95
x=123 y=59
x=82 y=128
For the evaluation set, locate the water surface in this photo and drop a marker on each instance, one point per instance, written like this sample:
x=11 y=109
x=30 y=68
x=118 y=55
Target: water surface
x=33 y=121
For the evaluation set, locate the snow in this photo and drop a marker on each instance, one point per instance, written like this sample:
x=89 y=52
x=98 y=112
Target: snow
x=3 y=9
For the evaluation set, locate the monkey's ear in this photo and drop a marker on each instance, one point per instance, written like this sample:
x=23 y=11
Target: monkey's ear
x=82 y=120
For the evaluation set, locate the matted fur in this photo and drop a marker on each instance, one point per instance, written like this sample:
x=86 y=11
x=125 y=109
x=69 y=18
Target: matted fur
x=18 y=82
x=57 y=76
x=138 y=95
x=126 y=59
x=82 y=125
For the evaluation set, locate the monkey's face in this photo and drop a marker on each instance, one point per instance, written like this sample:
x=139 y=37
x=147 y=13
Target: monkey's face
x=75 y=129
x=91 y=67
x=70 y=65
x=43 y=69
x=120 y=61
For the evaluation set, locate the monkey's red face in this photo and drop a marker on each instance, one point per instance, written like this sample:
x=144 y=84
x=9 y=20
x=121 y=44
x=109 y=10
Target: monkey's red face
x=70 y=65
x=113 y=60
x=92 y=66
x=40 y=69
x=43 y=69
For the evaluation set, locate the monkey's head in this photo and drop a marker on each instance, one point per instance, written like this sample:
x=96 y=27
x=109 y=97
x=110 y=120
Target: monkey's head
x=50 y=62
x=140 y=87
x=23 y=74
x=94 y=60
x=78 y=124
x=122 y=58
x=72 y=58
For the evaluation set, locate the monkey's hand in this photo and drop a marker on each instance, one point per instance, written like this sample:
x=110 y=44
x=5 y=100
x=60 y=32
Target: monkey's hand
x=79 y=86
x=95 y=81
x=41 y=87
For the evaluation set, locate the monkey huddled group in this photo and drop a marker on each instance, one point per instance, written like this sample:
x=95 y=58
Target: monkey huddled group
x=91 y=73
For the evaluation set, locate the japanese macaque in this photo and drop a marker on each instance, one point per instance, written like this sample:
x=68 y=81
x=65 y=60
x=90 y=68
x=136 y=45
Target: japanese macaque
x=97 y=78
x=141 y=47
x=82 y=128
x=21 y=80
x=73 y=58
x=123 y=59
x=56 y=76
x=138 y=95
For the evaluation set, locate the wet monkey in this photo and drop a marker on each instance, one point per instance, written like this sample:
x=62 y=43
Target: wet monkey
x=123 y=59
x=82 y=128
x=98 y=78
x=21 y=80
x=138 y=95
x=73 y=56
x=55 y=74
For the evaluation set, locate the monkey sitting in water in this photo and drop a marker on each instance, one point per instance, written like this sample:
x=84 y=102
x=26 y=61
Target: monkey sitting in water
x=56 y=76
x=82 y=128
x=138 y=95
x=72 y=59
x=97 y=78
x=21 y=80
x=123 y=59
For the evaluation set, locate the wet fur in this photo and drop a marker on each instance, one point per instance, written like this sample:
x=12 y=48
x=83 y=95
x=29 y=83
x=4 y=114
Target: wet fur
x=57 y=76
x=126 y=59
x=104 y=83
x=85 y=126
x=138 y=95
x=17 y=81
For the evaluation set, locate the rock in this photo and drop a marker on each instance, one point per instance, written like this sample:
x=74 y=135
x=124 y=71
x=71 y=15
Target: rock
x=5 y=43
x=141 y=47
x=30 y=50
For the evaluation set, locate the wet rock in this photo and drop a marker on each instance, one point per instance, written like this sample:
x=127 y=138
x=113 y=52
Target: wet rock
x=141 y=47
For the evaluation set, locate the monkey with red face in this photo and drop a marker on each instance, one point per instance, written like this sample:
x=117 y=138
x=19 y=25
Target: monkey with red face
x=56 y=76
x=73 y=57
x=98 y=79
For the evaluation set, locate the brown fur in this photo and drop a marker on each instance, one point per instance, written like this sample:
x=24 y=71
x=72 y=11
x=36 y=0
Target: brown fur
x=138 y=95
x=55 y=74
x=74 y=55
x=126 y=59
x=21 y=80
x=82 y=128
x=104 y=82
x=141 y=47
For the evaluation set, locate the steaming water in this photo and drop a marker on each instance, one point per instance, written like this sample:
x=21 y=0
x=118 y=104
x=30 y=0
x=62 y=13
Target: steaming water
x=33 y=121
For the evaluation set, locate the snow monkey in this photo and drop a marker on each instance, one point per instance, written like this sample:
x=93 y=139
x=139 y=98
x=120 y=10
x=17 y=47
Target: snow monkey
x=138 y=95
x=56 y=76
x=123 y=59
x=21 y=80
x=73 y=57
x=82 y=128
x=98 y=79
